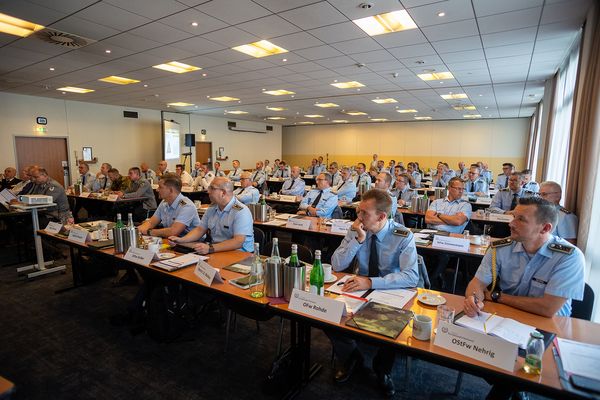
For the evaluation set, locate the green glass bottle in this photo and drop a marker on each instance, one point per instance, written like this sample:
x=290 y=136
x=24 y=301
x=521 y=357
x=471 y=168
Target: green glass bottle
x=317 y=280
x=294 y=263
x=119 y=224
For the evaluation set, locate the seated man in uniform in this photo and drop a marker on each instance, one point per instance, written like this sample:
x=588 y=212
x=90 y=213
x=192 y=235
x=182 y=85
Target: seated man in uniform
x=85 y=176
x=117 y=182
x=475 y=185
x=384 y=182
x=383 y=255
x=138 y=188
x=186 y=178
x=505 y=200
x=10 y=179
x=335 y=174
x=259 y=176
x=294 y=186
x=196 y=170
x=236 y=172
x=26 y=185
x=204 y=178
x=567 y=224
x=312 y=169
x=147 y=173
x=320 y=202
x=533 y=271
x=161 y=170
x=49 y=187
x=346 y=189
x=226 y=224
x=217 y=170
x=402 y=190
x=283 y=171
x=176 y=214
x=246 y=193
x=362 y=177
x=502 y=180
x=528 y=184
x=101 y=182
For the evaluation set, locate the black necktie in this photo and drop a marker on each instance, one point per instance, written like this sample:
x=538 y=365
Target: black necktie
x=513 y=204
x=314 y=203
x=373 y=258
x=291 y=184
x=472 y=187
x=254 y=176
x=343 y=183
x=83 y=179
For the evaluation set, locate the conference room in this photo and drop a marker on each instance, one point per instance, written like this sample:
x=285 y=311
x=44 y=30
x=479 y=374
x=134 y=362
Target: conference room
x=435 y=161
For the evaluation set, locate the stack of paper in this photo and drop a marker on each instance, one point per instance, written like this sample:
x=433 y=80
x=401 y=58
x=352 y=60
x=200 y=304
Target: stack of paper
x=394 y=297
x=505 y=328
x=179 y=262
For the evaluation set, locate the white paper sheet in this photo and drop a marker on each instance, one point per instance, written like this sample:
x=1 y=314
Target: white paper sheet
x=580 y=358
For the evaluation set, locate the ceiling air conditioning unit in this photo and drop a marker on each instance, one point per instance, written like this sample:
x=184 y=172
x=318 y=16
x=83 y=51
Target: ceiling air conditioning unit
x=248 y=127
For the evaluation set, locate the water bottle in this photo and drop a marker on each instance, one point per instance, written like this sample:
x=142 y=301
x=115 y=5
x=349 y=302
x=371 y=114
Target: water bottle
x=256 y=275
x=317 y=280
x=535 y=352
x=275 y=257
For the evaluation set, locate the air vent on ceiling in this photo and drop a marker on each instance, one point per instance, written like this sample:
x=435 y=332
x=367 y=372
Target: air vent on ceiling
x=62 y=38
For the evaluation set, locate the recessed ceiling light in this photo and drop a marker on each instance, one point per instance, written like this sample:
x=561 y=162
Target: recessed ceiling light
x=51 y=68
x=384 y=101
x=326 y=105
x=17 y=27
x=237 y=112
x=406 y=111
x=276 y=108
x=118 y=80
x=284 y=60
x=422 y=118
x=279 y=92
x=454 y=96
x=107 y=51
x=378 y=119
x=441 y=14
x=394 y=21
x=313 y=116
x=176 y=67
x=306 y=122
x=180 y=104
x=194 y=24
x=486 y=107
x=480 y=95
x=275 y=118
x=464 y=107
x=204 y=74
x=223 y=98
x=355 y=113
x=436 y=76
x=339 y=121
x=75 y=89
x=145 y=85
x=472 y=116
x=347 y=85
x=260 y=49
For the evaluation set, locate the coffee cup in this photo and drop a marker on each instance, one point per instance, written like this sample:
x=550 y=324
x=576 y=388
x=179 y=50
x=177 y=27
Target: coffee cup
x=421 y=327
x=476 y=240
x=327 y=275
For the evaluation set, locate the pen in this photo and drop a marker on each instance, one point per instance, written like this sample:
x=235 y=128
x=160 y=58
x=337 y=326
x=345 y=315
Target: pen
x=476 y=302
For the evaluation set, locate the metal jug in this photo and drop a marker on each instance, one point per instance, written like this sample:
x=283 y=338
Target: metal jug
x=293 y=278
x=273 y=279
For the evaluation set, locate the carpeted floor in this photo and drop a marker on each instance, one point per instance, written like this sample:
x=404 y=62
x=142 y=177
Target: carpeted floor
x=61 y=346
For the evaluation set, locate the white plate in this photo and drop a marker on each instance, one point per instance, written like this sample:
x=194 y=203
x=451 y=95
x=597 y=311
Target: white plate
x=165 y=256
x=431 y=299
x=331 y=279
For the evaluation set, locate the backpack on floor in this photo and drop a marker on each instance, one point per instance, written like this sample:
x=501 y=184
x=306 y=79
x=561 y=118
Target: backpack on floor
x=167 y=312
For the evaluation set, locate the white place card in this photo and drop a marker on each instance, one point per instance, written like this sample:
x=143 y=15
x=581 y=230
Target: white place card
x=187 y=189
x=308 y=176
x=78 y=235
x=297 y=223
x=154 y=187
x=484 y=200
x=53 y=227
x=207 y=273
x=485 y=348
x=84 y=194
x=286 y=197
x=112 y=197
x=451 y=243
x=139 y=256
x=317 y=306
x=340 y=226
x=501 y=217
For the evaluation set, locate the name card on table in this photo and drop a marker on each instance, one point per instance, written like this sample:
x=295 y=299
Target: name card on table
x=187 y=189
x=84 y=194
x=297 y=223
x=317 y=306
x=154 y=186
x=501 y=217
x=340 y=226
x=485 y=348
x=139 y=256
x=207 y=273
x=483 y=200
x=451 y=243
x=112 y=197
x=78 y=235
x=53 y=227
x=285 y=197
x=308 y=176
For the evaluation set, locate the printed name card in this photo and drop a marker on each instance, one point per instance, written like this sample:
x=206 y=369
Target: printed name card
x=485 y=348
x=451 y=243
x=84 y=194
x=317 y=306
x=501 y=217
x=112 y=197
x=78 y=235
x=290 y=198
x=53 y=227
x=483 y=200
x=340 y=226
x=187 y=189
x=139 y=256
x=297 y=223
x=207 y=273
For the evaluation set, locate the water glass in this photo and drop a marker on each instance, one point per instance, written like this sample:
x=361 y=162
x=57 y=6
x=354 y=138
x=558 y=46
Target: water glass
x=445 y=313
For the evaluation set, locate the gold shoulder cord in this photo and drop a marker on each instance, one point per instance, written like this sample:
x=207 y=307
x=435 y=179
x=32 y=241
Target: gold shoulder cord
x=494 y=273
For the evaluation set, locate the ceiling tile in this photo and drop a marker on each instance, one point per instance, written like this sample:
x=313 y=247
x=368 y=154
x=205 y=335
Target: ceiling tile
x=269 y=27
x=198 y=45
x=160 y=33
x=509 y=51
x=460 y=44
x=85 y=28
x=574 y=10
x=524 y=35
x=352 y=11
x=183 y=21
x=295 y=41
x=317 y=53
x=152 y=9
x=132 y=42
x=458 y=56
x=489 y=7
x=455 y=10
x=373 y=56
x=357 y=45
x=404 y=38
x=314 y=16
x=509 y=21
x=32 y=12
x=423 y=49
x=282 y=5
x=231 y=37
x=111 y=16
x=451 y=30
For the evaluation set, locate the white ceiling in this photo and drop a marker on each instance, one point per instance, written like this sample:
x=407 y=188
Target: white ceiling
x=499 y=51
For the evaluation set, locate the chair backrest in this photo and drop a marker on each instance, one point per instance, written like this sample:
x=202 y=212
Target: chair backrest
x=399 y=218
x=285 y=250
x=582 y=309
x=259 y=237
x=337 y=213
x=423 y=275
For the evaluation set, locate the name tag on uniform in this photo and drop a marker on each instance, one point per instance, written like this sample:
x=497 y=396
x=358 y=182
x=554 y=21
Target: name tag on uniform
x=53 y=227
x=451 y=243
x=296 y=223
x=78 y=235
x=139 y=256
x=112 y=197
x=207 y=273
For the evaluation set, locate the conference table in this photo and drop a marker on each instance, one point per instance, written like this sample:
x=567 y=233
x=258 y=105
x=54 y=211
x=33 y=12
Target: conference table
x=100 y=206
x=548 y=383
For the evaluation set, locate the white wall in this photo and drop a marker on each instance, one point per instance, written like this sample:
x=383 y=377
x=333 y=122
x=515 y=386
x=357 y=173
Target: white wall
x=123 y=142
x=494 y=141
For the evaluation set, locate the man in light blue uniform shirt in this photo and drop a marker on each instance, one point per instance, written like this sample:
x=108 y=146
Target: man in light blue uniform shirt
x=443 y=176
x=507 y=199
x=475 y=185
x=502 y=179
x=402 y=190
x=383 y=255
x=566 y=227
x=313 y=169
x=320 y=202
x=362 y=178
x=294 y=186
x=176 y=213
x=217 y=170
x=528 y=184
x=321 y=167
x=227 y=223
x=411 y=169
x=452 y=213
x=346 y=189
x=246 y=193
x=283 y=171
x=336 y=176
x=236 y=172
x=101 y=181
x=384 y=182
x=258 y=176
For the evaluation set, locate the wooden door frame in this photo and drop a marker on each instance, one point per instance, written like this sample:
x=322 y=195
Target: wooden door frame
x=212 y=157
x=20 y=168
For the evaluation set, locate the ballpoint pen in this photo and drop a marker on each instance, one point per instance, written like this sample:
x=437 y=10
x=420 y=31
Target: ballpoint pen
x=476 y=302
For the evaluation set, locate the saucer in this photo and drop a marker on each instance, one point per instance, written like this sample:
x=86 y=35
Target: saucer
x=431 y=299
x=165 y=256
x=331 y=279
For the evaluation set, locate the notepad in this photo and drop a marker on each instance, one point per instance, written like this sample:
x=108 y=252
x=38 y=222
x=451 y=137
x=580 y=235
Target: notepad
x=179 y=262
x=393 y=297
x=505 y=328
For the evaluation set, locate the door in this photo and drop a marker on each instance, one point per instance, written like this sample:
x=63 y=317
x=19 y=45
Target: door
x=204 y=153
x=48 y=153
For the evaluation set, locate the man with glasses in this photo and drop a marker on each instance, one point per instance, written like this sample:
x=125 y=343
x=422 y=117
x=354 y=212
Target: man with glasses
x=450 y=214
x=226 y=224
x=246 y=193
x=294 y=186
x=346 y=188
x=402 y=190
x=362 y=176
x=335 y=174
x=502 y=180
x=475 y=185
x=529 y=185
x=320 y=202
x=505 y=200
x=567 y=224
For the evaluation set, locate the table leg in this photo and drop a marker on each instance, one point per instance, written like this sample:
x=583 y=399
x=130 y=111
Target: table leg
x=455 y=275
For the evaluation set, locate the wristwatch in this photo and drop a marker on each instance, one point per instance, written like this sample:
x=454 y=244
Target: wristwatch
x=211 y=249
x=495 y=295
x=149 y=232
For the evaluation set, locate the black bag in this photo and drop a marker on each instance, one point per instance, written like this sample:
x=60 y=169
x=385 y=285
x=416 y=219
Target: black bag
x=281 y=377
x=167 y=312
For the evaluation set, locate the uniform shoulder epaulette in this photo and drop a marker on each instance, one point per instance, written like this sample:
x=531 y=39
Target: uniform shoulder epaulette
x=237 y=207
x=565 y=210
x=561 y=248
x=501 y=242
x=182 y=202
x=505 y=189
x=401 y=232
